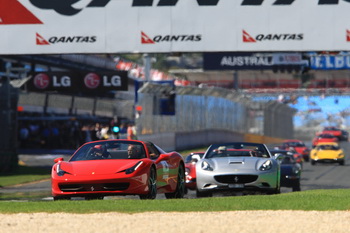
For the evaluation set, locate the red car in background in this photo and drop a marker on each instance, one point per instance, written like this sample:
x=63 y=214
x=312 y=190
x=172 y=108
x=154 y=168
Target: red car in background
x=299 y=146
x=324 y=137
x=342 y=135
x=190 y=169
x=119 y=167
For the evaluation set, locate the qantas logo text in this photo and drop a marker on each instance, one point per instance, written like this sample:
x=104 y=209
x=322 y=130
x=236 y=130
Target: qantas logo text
x=145 y=39
x=13 y=12
x=40 y=40
x=247 y=38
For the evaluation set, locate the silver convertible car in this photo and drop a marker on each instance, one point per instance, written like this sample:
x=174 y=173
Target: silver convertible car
x=237 y=167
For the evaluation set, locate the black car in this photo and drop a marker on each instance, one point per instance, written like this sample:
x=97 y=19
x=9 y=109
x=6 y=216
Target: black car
x=344 y=135
x=290 y=169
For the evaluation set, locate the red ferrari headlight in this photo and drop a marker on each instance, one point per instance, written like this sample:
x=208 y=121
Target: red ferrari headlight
x=60 y=171
x=133 y=168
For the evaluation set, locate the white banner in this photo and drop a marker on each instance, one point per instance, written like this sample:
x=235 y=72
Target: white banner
x=153 y=26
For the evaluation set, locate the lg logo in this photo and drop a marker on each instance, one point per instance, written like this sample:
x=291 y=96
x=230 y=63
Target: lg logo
x=41 y=81
x=93 y=81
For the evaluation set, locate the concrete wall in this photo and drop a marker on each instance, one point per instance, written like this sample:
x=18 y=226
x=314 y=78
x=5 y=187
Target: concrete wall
x=187 y=140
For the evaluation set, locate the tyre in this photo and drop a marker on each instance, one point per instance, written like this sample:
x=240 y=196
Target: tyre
x=152 y=185
x=200 y=194
x=277 y=190
x=313 y=162
x=91 y=198
x=60 y=198
x=296 y=186
x=342 y=162
x=180 y=185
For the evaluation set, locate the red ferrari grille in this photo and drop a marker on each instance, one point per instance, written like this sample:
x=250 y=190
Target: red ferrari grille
x=93 y=187
x=235 y=179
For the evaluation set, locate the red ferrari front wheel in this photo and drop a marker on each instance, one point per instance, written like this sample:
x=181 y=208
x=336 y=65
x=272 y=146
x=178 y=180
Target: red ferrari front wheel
x=152 y=185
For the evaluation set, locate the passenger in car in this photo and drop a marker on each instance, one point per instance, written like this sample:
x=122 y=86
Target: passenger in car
x=134 y=152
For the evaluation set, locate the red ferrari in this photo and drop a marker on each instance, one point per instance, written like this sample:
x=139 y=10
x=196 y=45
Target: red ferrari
x=299 y=146
x=190 y=166
x=119 y=167
x=324 y=138
x=340 y=134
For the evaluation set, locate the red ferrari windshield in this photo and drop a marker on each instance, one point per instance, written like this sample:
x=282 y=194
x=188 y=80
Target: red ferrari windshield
x=110 y=150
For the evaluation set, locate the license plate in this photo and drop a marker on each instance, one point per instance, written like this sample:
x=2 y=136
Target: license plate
x=236 y=186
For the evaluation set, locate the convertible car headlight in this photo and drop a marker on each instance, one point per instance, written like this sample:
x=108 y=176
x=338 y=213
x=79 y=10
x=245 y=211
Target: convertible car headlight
x=133 y=168
x=206 y=166
x=341 y=155
x=267 y=165
x=60 y=171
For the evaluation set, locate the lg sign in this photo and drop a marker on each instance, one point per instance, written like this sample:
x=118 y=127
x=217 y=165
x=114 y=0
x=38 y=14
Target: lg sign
x=76 y=82
x=92 y=81
x=42 y=81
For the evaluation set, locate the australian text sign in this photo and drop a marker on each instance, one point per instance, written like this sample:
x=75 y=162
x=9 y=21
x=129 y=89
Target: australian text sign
x=129 y=26
x=249 y=60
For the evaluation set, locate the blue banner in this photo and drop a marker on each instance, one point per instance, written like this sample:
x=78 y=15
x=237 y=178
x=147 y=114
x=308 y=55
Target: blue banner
x=328 y=62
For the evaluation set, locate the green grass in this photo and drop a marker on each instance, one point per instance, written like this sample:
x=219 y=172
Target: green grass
x=319 y=200
x=24 y=175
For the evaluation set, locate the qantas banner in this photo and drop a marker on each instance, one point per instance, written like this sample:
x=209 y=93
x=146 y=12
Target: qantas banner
x=140 y=26
x=78 y=82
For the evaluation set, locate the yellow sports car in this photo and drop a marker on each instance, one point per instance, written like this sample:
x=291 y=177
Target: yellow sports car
x=327 y=152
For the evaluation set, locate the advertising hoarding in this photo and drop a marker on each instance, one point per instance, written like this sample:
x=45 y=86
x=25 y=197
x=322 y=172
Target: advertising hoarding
x=155 y=26
x=250 y=60
x=78 y=82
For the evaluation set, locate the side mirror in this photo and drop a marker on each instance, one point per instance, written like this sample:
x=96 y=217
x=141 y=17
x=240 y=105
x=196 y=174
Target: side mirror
x=279 y=157
x=162 y=157
x=58 y=160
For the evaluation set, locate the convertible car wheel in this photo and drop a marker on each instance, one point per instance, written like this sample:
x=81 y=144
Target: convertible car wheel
x=180 y=186
x=152 y=185
x=296 y=187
